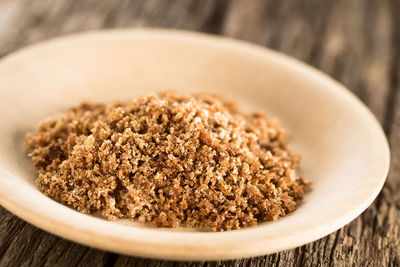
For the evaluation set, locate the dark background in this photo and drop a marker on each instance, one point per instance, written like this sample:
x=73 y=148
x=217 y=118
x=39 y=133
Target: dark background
x=355 y=41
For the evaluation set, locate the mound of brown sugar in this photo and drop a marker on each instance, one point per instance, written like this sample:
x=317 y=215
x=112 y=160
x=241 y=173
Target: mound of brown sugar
x=170 y=160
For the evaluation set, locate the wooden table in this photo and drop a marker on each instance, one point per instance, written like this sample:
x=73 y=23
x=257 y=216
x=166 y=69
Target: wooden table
x=355 y=41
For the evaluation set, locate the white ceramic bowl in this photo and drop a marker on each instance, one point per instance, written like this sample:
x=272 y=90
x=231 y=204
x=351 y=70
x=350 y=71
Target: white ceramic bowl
x=345 y=152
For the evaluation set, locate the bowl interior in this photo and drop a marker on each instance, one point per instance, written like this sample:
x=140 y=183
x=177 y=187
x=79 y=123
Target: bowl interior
x=345 y=153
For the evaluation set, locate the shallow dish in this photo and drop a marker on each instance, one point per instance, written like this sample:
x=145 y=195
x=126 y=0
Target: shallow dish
x=345 y=152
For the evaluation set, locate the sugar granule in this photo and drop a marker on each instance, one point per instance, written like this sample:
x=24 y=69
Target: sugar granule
x=170 y=160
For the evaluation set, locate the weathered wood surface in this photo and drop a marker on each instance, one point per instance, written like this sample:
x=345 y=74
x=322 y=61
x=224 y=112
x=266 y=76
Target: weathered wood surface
x=355 y=41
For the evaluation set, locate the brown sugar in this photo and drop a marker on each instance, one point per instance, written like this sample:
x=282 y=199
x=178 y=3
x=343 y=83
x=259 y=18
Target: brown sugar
x=168 y=159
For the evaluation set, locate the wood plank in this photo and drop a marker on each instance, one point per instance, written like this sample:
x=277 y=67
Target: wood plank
x=355 y=41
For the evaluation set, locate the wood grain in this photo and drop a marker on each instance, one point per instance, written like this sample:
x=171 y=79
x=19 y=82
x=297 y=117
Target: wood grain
x=355 y=41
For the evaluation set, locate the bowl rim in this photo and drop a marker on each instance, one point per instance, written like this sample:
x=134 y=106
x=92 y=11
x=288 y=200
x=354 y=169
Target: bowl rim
x=194 y=245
